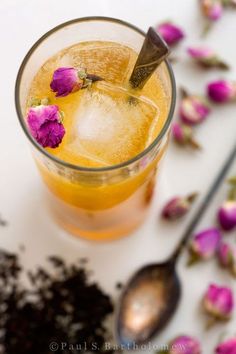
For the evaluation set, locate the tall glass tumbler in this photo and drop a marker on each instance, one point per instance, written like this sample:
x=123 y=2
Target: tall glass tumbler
x=95 y=203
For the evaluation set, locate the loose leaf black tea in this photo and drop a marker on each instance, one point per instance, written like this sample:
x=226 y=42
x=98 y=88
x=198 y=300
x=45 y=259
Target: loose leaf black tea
x=62 y=310
x=153 y=52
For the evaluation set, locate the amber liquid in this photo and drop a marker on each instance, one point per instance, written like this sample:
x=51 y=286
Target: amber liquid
x=106 y=125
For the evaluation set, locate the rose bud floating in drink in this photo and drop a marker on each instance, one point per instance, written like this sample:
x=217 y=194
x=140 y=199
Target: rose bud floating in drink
x=177 y=207
x=207 y=58
x=183 y=135
x=67 y=80
x=204 y=245
x=171 y=33
x=183 y=345
x=221 y=91
x=193 y=109
x=227 y=257
x=45 y=125
x=211 y=9
x=218 y=302
x=227 y=215
x=227 y=347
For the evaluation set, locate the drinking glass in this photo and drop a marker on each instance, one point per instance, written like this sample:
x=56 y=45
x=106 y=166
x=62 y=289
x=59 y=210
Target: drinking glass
x=95 y=203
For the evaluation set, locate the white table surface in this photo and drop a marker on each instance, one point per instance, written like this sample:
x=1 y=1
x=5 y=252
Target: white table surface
x=22 y=22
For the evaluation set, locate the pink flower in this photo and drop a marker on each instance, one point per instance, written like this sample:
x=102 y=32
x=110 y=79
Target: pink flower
x=178 y=207
x=200 y=52
x=211 y=9
x=66 y=80
x=227 y=347
x=206 y=58
x=170 y=33
x=183 y=135
x=219 y=302
x=185 y=345
x=227 y=215
x=204 y=244
x=45 y=125
x=193 y=110
x=227 y=257
x=224 y=254
x=221 y=91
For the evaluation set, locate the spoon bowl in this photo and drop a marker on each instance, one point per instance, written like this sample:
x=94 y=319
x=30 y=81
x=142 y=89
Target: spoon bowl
x=148 y=303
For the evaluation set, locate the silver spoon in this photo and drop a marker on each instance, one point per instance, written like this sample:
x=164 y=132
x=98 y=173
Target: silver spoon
x=153 y=52
x=152 y=295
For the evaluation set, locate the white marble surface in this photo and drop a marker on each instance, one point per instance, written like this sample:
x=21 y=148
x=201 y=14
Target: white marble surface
x=22 y=22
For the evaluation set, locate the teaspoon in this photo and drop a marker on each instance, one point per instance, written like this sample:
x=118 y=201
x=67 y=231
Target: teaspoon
x=151 y=297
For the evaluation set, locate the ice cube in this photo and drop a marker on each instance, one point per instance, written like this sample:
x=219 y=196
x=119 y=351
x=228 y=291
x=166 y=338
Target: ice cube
x=110 y=61
x=110 y=126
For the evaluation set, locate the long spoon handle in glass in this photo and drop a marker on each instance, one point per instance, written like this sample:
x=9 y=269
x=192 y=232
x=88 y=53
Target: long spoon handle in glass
x=153 y=52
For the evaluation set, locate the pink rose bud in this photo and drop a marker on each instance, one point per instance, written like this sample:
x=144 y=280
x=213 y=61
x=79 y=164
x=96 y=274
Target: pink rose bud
x=227 y=257
x=170 y=33
x=219 y=302
x=45 y=125
x=66 y=80
x=204 y=245
x=227 y=215
x=212 y=9
x=207 y=58
x=183 y=135
x=221 y=91
x=178 y=207
x=227 y=347
x=224 y=254
x=185 y=345
x=193 y=109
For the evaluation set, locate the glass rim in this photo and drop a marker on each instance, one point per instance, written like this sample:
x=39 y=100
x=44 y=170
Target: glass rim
x=70 y=165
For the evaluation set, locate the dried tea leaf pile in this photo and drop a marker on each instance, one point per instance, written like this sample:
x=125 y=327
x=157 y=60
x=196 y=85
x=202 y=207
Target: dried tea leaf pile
x=63 y=307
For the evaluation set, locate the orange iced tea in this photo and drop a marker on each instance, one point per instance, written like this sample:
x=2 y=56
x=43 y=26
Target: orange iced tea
x=104 y=185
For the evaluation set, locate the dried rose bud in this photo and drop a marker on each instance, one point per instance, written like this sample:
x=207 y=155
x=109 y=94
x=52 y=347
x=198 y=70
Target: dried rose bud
x=45 y=125
x=227 y=215
x=227 y=257
x=227 y=347
x=170 y=33
x=221 y=91
x=183 y=135
x=219 y=302
x=207 y=58
x=212 y=9
x=204 y=245
x=178 y=207
x=193 y=109
x=224 y=254
x=185 y=345
x=66 y=80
